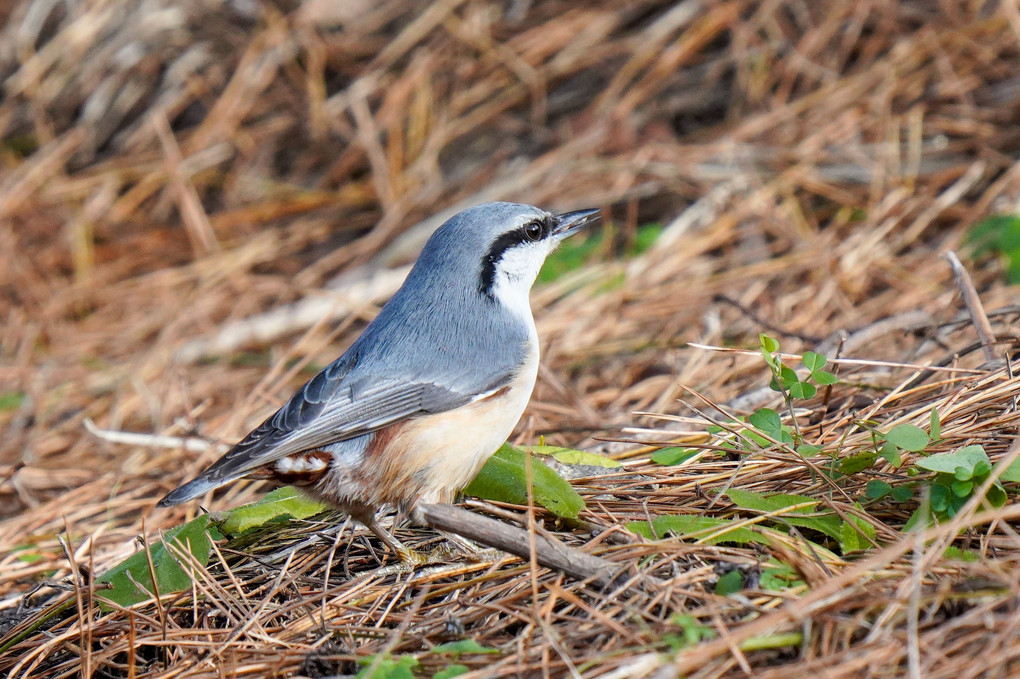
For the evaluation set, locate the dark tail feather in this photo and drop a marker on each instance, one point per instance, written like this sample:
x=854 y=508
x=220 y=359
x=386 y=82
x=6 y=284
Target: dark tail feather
x=238 y=462
x=192 y=489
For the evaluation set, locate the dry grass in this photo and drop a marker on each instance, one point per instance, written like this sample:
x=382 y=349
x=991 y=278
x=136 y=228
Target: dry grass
x=170 y=173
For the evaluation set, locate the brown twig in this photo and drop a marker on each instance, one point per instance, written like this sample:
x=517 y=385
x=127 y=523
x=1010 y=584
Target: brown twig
x=974 y=307
x=549 y=552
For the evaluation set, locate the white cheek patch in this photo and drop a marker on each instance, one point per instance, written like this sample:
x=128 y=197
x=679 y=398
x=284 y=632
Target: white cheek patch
x=516 y=272
x=522 y=262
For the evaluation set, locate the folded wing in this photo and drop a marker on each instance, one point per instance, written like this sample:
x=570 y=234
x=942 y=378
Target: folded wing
x=336 y=405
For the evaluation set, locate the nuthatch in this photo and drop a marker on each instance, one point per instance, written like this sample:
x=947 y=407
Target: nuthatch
x=431 y=388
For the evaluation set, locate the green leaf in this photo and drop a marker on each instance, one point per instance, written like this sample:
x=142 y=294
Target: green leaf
x=451 y=671
x=754 y=437
x=730 y=583
x=695 y=528
x=908 y=437
x=771 y=504
x=813 y=361
x=1000 y=234
x=777 y=576
x=503 y=479
x=962 y=488
x=462 y=646
x=1013 y=270
x=954 y=553
x=997 y=233
x=934 y=426
x=28 y=557
x=645 y=237
x=693 y=630
x=802 y=390
x=947 y=463
x=955 y=505
x=11 y=400
x=387 y=667
x=277 y=504
x=851 y=538
x=996 y=496
x=1012 y=473
x=891 y=454
x=571 y=456
x=768 y=343
x=902 y=493
x=787 y=376
x=575 y=252
x=940 y=497
x=746 y=499
x=131 y=580
x=921 y=518
x=808 y=449
x=855 y=463
x=876 y=490
x=823 y=377
x=673 y=456
x=767 y=422
x=964 y=473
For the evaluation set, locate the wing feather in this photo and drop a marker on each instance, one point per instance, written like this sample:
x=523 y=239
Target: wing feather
x=307 y=421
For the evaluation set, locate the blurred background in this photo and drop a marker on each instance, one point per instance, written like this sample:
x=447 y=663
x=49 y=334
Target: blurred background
x=202 y=203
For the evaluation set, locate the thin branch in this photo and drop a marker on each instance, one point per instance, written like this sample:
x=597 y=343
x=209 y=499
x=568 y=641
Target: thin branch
x=974 y=306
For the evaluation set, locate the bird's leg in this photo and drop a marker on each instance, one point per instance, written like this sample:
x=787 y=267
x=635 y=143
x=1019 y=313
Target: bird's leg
x=408 y=557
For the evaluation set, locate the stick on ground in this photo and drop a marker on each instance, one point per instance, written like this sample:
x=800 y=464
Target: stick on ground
x=550 y=552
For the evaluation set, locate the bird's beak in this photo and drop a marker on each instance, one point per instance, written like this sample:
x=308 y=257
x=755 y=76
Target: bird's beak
x=572 y=222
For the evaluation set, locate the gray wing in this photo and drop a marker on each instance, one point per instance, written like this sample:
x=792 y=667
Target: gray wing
x=336 y=405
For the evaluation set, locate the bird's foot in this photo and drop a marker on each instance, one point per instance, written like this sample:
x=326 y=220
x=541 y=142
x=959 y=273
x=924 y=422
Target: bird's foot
x=470 y=549
x=411 y=559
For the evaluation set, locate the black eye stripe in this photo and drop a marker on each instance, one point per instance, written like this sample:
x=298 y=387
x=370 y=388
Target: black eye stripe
x=510 y=239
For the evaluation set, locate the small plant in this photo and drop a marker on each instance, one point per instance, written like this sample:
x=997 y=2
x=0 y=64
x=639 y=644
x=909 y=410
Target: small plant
x=388 y=667
x=999 y=234
x=691 y=632
x=890 y=446
x=778 y=576
x=765 y=426
x=730 y=583
x=785 y=379
x=957 y=476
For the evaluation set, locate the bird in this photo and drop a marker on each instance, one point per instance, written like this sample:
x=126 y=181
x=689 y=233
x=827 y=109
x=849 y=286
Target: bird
x=433 y=386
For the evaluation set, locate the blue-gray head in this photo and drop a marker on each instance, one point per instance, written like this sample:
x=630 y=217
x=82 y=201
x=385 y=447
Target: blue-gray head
x=494 y=251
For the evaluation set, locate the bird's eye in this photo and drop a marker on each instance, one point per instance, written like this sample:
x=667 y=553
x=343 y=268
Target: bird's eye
x=533 y=231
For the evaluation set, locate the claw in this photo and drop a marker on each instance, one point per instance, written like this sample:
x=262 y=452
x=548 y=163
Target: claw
x=411 y=559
